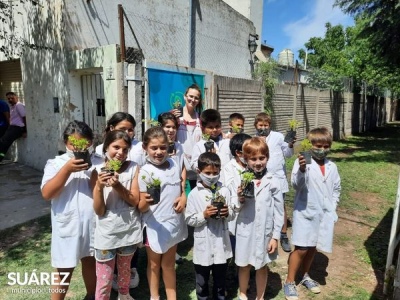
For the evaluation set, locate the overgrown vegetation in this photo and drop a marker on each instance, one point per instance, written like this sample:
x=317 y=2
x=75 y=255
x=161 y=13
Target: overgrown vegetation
x=268 y=73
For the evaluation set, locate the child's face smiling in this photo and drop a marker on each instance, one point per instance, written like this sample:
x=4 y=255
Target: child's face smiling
x=118 y=150
x=157 y=149
x=213 y=129
x=126 y=126
x=257 y=161
x=170 y=130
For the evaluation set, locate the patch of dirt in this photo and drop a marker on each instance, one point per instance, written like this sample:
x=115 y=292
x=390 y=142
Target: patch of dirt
x=17 y=236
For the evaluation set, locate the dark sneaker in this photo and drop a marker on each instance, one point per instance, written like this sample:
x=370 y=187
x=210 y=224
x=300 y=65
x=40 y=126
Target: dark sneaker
x=285 y=244
x=290 y=291
x=310 y=284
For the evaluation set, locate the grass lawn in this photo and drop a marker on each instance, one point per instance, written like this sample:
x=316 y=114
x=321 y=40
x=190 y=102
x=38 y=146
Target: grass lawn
x=369 y=169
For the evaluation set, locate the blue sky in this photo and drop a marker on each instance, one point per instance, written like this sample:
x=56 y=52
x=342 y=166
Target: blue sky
x=291 y=23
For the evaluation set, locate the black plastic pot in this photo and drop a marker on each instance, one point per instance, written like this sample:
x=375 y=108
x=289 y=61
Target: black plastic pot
x=155 y=193
x=171 y=148
x=248 y=191
x=180 y=108
x=290 y=135
x=307 y=156
x=218 y=205
x=209 y=146
x=104 y=169
x=85 y=155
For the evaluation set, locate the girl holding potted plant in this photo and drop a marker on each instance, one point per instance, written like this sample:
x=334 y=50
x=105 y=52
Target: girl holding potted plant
x=66 y=183
x=189 y=131
x=125 y=122
x=259 y=221
x=118 y=228
x=164 y=222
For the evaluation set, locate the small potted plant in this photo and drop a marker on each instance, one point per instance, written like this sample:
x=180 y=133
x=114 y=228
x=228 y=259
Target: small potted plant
x=151 y=122
x=111 y=166
x=236 y=129
x=305 y=147
x=81 y=149
x=209 y=144
x=153 y=187
x=291 y=133
x=177 y=104
x=247 y=184
x=171 y=147
x=217 y=201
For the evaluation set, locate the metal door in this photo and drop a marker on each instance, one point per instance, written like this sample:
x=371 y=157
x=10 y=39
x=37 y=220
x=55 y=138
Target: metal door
x=94 y=104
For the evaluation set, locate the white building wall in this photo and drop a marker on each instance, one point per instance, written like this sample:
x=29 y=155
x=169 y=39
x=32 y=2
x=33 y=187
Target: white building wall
x=251 y=9
x=213 y=38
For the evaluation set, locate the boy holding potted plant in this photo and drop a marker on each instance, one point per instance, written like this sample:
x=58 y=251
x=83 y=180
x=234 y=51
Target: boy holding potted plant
x=317 y=188
x=278 y=151
x=236 y=125
x=212 y=140
x=211 y=248
x=233 y=174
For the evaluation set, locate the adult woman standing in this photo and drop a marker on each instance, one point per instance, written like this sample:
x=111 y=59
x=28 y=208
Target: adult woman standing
x=189 y=131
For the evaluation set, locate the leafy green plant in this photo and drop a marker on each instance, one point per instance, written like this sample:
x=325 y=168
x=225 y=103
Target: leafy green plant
x=293 y=124
x=236 y=129
x=113 y=165
x=246 y=177
x=151 y=122
x=79 y=144
x=151 y=182
x=305 y=145
x=177 y=103
x=205 y=137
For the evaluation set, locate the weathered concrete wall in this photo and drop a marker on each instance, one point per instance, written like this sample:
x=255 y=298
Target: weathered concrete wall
x=203 y=34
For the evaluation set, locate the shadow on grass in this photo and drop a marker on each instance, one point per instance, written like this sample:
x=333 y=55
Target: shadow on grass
x=377 y=247
x=383 y=140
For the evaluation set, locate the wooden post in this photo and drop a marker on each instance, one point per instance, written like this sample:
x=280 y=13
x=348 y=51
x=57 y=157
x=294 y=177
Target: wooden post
x=121 y=31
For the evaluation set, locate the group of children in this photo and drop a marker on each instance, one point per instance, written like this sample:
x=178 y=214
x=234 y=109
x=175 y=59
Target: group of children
x=101 y=217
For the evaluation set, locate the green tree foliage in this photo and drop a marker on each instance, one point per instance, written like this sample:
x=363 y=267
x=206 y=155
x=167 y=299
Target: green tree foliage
x=268 y=73
x=381 y=26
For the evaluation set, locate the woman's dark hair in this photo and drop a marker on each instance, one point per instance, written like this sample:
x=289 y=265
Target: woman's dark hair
x=208 y=159
x=80 y=128
x=119 y=117
x=154 y=132
x=114 y=135
x=164 y=117
x=199 y=106
x=236 y=142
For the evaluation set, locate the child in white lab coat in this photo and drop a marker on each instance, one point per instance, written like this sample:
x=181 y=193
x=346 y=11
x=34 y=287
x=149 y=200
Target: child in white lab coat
x=317 y=188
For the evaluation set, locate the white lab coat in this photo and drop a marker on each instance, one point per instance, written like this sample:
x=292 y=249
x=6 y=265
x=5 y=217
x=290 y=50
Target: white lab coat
x=315 y=202
x=211 y=236
x=259 y=220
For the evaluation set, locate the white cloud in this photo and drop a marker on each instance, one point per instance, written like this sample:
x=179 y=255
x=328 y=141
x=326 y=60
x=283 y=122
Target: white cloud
x=313 y=24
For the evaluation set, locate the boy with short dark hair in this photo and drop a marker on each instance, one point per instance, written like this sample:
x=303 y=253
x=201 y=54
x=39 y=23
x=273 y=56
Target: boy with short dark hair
x=212 y=140
x=278 y=151
x=317 y=188
x=236 y=125
x=211 y=248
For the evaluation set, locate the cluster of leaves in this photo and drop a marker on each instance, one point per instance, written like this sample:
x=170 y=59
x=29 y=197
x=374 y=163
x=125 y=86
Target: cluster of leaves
x=113 y=165
x=363 y=52
x=305 y=145
x=79 y=144
x=151 y=182
x=268 y=73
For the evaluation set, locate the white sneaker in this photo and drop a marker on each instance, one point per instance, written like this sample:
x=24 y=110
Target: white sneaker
x=134 y=282
x=115 y=283
x=125 y=297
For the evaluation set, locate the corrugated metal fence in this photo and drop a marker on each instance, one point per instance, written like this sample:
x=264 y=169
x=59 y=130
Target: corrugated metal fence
x=342 y=113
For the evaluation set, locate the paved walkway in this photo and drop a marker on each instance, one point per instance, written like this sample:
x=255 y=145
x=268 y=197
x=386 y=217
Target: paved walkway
x=20 y=197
